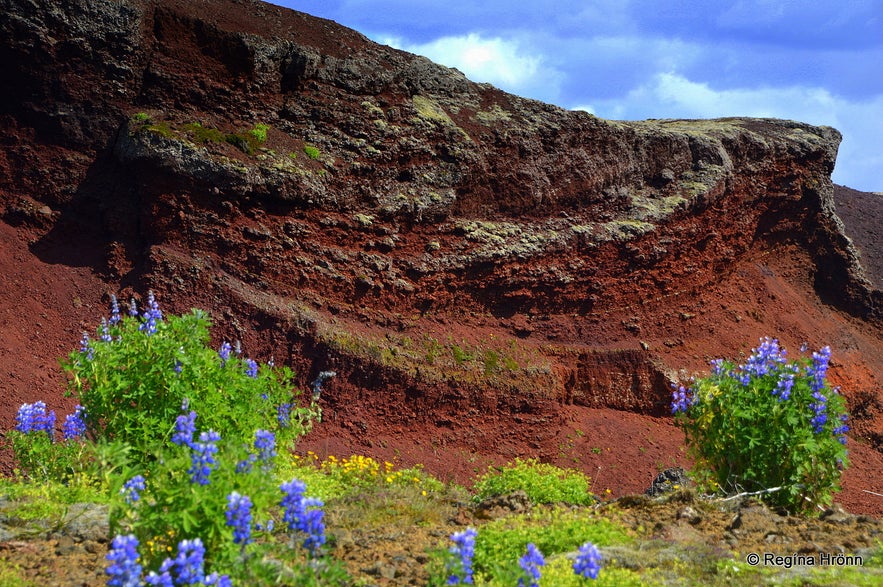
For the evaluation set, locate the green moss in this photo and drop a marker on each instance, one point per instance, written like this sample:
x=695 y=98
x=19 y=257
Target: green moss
x=430 y=110
x=311 y=151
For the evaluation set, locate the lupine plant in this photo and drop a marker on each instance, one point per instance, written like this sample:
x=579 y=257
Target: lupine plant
x=39 y=455
x=769 y=425
x=149 y=363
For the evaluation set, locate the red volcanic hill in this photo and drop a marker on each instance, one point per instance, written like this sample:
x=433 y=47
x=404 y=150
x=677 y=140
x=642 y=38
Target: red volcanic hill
x=489 y=276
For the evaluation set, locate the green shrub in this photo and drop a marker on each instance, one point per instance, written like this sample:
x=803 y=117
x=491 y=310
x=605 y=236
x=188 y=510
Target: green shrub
x=770 y=425
x=136 y=375
x=259 y=132
x=543 y=483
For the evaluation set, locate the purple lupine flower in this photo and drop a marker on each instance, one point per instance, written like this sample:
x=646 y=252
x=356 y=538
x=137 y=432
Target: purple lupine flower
x=86 y=347
x=245 y=466
x=265 y=444
x=251 y=368
x=202 y=457
x=185 y=426
x=766 y=358
x=74 y=424
x=151 y=315
x=104 y=329
x=214 y=580
x=530 y=563
x=283 y=415
x=588 y=561
x=717 y=366
x=841 y=430
x=132 y=489
x=680 y=399
x=819 y=407
x=239 y=517
x=783 y=386
x=163 y=580
x=224 y=352
x=188 y=568
x=819 y=368
x=463 y=550
x=115 y=317
x=133 y=308
x=299 y=516
x=124 y=570
x=34 y=418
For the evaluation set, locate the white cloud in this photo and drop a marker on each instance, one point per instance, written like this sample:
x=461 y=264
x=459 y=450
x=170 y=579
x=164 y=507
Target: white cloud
x=501 y=62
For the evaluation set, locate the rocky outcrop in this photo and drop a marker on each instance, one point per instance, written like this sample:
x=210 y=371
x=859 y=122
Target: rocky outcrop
x=340 y=204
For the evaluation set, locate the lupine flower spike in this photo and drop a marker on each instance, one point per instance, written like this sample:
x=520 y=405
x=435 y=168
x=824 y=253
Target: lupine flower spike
x=124 y=571
x=588 y=561
x=132 y=489
x=460 y=568
x=530 y=563
x=239 y=517
x=74 y=424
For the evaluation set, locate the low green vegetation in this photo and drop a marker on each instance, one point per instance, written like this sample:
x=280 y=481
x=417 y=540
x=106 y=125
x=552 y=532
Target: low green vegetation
x=543 y=483
x=311 y=151
x=190 y=448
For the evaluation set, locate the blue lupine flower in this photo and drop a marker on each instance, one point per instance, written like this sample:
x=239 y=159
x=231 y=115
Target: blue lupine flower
x=463 y=551
x=34 y=418
x=86 y=347
x=218 y=581
x=283 y=414
x=163 y=580
x=132 y=489
x=133 y=308
x=251 y=368
x=783 y=386
x=588 y=561
x=299 y=516
x=819 y=368
x=841 y=430
x=74 y=424
x=224 y=352
x=114 y=310
x=717 y=366
x=268 y=526
x=185 y=426
x=188 y=568
x=202 y=457
x=765 y=359
x=239 y=517
x=819 y=408
x=124 y=570
x=151 y=316
x=104 y=329
x=245 y=466
x=530 y=564
x=680 y=400
x=265 y=444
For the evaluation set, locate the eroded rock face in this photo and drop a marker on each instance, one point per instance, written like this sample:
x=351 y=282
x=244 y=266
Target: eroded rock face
x=339 y=204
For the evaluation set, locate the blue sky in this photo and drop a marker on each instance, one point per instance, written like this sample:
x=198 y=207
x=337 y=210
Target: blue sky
x=819 y=62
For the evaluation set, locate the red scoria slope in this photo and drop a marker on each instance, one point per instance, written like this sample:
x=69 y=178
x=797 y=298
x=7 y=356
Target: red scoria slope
x=489 y=276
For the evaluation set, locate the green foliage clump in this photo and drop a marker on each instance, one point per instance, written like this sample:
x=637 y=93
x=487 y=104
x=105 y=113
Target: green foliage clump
x=133 y=379
x=311 y=151
x=543 y=483
x=772 y=426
